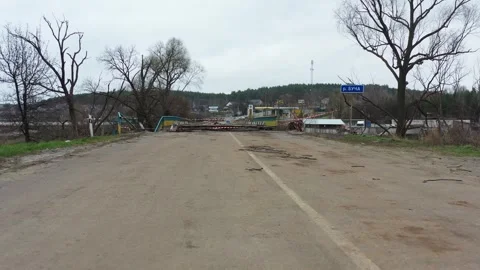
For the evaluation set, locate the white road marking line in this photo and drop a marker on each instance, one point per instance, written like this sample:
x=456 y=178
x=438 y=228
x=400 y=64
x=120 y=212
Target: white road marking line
x=358 y=258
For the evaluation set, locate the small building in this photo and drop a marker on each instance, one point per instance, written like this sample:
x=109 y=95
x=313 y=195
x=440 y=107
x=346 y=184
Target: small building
x=213 y=109
x=280 y=112
x=323 y=126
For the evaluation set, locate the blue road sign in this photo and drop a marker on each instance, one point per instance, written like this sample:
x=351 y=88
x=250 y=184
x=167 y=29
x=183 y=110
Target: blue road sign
x=353 y=89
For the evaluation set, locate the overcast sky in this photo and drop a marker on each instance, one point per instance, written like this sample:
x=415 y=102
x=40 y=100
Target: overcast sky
x=241 y=43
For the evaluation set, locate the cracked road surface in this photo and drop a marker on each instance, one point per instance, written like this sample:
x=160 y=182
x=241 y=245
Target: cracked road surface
x=201 y=201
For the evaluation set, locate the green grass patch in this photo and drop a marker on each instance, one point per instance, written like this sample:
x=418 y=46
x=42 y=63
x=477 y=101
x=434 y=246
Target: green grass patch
x=459 y=150
x=10 y=150
x=455 y=150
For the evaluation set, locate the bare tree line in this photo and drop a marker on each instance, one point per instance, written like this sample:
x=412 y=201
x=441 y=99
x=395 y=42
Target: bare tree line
x=35 y=66
x=151 y=78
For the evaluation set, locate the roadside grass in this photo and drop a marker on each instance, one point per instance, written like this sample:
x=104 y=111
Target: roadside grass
x=15 y=149
x=454 y=150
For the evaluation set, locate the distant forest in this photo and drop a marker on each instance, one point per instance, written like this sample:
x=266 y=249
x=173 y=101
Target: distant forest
x=288 y=94
x=462 y=103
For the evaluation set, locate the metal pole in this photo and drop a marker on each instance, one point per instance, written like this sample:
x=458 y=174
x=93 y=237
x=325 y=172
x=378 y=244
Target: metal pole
x=311 y=74
x=119 y=123
x=351 y=116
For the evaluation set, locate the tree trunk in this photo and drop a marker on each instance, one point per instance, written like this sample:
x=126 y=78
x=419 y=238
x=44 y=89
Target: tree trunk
x=22 y=104
x=141 y=117
x=73 y=115
x=26 y=130
x=145 y=119
x=402 y=87
x=25 y=117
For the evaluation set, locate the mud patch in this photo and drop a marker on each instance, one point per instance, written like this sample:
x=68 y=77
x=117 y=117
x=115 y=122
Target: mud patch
x=350 y=207
x=254 y=169
x=263 y=149
x=337 y=171
x=189 y=244
x=331 y=154
x=187 y=223
x=436 y=245
x=462 y=203
x=266 y=235
x=415 y=239
x=414 y=229
x=369 y=224
x=252 y=189
x=278 y=152
x=301 y=164
x=289 y=156
x=461 y=235
x=69 y=192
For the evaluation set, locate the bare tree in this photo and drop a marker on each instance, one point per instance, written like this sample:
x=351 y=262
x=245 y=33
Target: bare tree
x=22 y=68
x=405 y=34
x=140 y=77
x=476 y=90
x=476 y=77
x=66 y=67
x=104 y=100
x=434 y=80
x=176 y=70
x=151 y=79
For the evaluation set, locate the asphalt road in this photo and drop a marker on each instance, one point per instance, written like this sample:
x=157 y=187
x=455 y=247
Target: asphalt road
x=200 y=201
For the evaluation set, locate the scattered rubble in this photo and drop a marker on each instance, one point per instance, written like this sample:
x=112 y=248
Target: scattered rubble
x=270 y=150
x=254 y=169
x=263 y=149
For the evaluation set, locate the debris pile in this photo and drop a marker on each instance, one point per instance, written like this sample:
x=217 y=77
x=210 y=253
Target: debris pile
x=279 y=152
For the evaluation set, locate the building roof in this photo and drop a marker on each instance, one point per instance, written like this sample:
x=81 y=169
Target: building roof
x=331 y=122
x=276 y=108
x=256 y=101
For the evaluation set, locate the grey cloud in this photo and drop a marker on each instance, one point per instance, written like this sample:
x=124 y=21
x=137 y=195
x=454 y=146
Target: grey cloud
x=242 y=44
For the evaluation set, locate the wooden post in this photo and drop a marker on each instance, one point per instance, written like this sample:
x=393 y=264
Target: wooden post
x=90 y=125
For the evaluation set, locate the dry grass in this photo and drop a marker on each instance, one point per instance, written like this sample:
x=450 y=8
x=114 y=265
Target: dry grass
x=454 y=136
x=430 y=142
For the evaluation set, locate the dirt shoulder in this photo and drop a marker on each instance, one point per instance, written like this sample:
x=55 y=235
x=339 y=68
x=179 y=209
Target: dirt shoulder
x=65 y=150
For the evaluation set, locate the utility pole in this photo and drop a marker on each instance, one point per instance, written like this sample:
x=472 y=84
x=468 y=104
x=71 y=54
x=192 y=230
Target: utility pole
x=311 y=75
x=311 y=81
x=351 y=116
